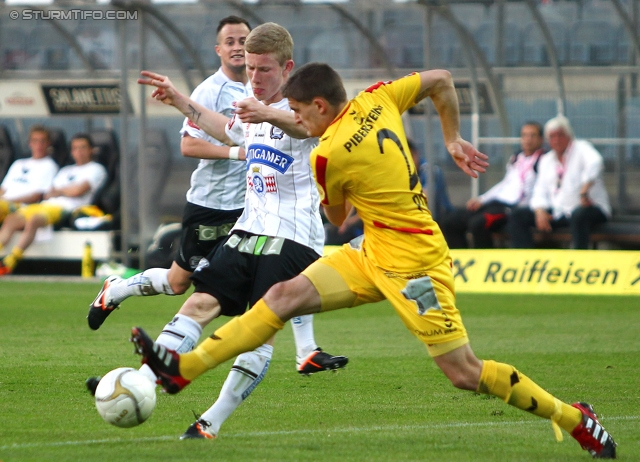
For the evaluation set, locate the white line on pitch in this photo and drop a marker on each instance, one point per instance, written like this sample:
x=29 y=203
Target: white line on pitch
x=344 y=430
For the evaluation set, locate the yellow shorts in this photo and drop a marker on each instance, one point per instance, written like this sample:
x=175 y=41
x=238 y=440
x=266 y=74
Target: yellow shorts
x=7 y=207
x=52 y=212
x=424 y=300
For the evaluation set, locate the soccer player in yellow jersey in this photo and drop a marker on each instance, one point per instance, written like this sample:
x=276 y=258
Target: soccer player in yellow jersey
x=363 y=160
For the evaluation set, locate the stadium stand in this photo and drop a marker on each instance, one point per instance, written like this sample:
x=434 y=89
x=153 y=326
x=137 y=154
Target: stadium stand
x=486 y=38
x=51 y=50
x=591 y=43
x=443 y=42
x=624 y=50
x=594 y=50
x=404 y=47
x=534 y=50
x=13 y=47
x=7 y=154
x=329 y=47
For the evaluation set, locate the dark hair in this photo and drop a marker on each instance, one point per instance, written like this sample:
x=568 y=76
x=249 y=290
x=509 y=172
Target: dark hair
x=82 y=136
x=231 y=20
x=533 y=123
x=315 y=80
x=40 y=129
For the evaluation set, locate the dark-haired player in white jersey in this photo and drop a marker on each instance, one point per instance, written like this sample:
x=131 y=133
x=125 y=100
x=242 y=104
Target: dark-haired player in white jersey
x=281 y=224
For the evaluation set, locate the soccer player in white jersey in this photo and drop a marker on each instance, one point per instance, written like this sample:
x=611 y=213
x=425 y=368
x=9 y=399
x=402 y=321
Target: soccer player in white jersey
x=280 y=232
x=216 y=197
x=282 y=213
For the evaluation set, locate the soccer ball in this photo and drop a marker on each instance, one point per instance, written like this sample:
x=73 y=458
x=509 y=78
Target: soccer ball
x=125 y=397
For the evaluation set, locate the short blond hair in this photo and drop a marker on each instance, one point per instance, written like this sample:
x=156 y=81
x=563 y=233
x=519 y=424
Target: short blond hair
x=270 y=38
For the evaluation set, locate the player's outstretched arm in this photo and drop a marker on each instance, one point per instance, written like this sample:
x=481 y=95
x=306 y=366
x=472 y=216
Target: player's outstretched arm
x=211 y=122
x=438 y=85
x=337 y=214
x=250 y=110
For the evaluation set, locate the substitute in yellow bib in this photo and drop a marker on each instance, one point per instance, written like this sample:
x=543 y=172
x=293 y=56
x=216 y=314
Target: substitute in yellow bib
x=363 y=160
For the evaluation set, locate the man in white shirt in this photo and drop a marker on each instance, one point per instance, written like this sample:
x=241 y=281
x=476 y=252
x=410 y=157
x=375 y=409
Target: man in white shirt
x=279 y=233
x=73 y=186
x=215 y=199
x=569 y=190
x=489 y=212
x=28 y=179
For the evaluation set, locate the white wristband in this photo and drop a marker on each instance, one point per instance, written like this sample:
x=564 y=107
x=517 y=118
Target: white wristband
x=234 y=152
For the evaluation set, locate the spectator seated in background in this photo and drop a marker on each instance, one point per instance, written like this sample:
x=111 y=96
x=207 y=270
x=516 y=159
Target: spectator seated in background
x=442 y=204
x=28 y=179
x=569 y=190
x=73 y=187
x=488 y=212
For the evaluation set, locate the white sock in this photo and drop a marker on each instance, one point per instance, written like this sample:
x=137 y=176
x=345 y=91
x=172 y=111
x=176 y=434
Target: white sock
x=181 y=334
x=247 y=372
x=303 y=334
x=153 y=281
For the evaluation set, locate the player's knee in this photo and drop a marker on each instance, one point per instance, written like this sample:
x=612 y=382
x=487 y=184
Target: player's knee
x=201 y=307
x=283 y=299
x=179 y=287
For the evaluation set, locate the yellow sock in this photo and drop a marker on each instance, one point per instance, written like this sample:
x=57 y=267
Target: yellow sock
x=516 y=389
x=245 y=333
x=11 y=260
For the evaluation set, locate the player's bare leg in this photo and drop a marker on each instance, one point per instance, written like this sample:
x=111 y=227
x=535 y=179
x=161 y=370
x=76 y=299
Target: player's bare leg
x=467 y=372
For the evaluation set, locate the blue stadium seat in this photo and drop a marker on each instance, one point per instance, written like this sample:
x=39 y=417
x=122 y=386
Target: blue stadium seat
x=50 y=48
x=485 y=35
x=207 y=42
x=332 y=47
x=443 y=41
x=13 y=47
x=534 y=51
x=624 y=49
x=404 y=46
x=303 y=36
x=592 y=43
x=98 y=41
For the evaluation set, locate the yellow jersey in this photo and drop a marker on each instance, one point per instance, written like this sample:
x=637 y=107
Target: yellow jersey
x=363 y=158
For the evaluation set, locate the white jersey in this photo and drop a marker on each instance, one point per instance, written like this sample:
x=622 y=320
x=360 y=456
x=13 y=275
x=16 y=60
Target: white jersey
x=92 y=172
x=28 y=176
x=217 y=183
x=516 y=187
x=282 y=198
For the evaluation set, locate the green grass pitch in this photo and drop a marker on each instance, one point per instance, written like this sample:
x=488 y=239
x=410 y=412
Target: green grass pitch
x=390 y=404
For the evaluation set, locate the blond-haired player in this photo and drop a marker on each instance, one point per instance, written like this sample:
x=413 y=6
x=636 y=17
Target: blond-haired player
x=280 y=231
x=363 y=160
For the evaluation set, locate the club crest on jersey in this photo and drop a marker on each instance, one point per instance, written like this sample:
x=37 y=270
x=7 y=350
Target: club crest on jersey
x=269 y=156
x=262 y=184
x=276 y=133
